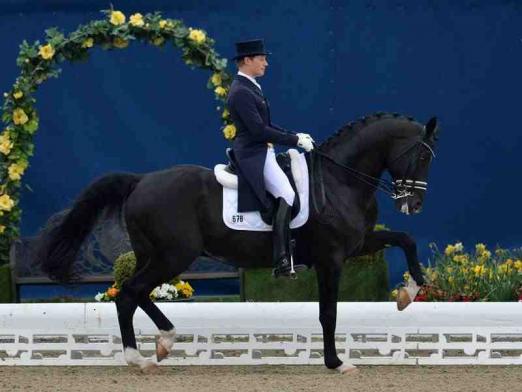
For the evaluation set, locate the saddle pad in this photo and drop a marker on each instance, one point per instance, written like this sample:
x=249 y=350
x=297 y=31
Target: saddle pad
x=252 y=220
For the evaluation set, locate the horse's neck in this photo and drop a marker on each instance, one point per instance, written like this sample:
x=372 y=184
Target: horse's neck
x=365 y=155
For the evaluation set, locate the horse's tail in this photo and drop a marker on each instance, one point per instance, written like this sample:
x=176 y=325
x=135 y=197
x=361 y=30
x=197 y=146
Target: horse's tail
x=58 y=247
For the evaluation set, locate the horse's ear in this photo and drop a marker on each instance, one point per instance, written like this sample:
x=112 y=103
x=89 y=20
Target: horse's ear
x=432 y=128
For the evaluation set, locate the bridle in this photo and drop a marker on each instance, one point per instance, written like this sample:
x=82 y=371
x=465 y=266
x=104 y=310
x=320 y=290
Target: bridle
x=396 y=189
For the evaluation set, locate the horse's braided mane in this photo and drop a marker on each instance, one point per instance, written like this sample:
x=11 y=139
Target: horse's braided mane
x=365 y=121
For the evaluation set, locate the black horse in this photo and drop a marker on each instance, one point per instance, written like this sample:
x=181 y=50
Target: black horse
x=174 y=215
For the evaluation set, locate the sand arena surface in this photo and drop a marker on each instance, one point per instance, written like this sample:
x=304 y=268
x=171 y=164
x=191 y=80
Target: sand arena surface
x=263 y=378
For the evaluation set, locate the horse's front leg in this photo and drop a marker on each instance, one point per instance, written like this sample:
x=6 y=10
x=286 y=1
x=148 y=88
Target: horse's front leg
x=328 y=282
x=378 y=240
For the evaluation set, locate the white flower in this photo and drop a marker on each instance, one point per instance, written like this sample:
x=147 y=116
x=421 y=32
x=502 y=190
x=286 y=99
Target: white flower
x=459 y=247
x=165 y=291
x=99 y=297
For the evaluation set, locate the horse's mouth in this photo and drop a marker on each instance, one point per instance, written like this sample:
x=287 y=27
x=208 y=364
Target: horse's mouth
x=409 y=210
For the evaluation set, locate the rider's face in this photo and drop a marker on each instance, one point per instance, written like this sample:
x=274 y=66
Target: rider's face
x=255 y=66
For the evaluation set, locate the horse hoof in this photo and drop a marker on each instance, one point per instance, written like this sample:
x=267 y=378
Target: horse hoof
x=161 y=351
x=149 y=367
x=164 y=344
x=347 y=369
x=403 y=299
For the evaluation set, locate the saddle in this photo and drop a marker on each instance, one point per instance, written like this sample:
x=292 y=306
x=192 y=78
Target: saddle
x=284 y=161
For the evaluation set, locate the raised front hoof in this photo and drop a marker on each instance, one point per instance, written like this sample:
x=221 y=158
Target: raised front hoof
x=161 y=351
x=403 y=299
x=347 y=369
x=407 y=294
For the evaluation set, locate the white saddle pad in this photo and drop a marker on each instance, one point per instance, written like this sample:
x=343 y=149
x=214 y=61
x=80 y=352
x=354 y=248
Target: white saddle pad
x=252 y=220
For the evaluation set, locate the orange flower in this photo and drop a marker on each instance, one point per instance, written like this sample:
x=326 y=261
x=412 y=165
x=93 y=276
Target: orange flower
x=112 y=292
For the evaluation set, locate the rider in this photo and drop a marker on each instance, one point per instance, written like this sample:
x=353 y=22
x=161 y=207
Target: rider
x=254 y=152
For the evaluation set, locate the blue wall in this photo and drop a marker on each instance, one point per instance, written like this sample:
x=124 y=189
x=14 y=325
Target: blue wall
x=142 y=109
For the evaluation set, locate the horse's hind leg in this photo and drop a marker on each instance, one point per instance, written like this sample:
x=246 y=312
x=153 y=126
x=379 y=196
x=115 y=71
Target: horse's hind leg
x=156 y=265
x=166 y=328
x=126 y=304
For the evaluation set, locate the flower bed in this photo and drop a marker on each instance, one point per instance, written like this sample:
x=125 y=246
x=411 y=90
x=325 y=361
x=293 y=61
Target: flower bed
x=482 y=275
x=124 y=267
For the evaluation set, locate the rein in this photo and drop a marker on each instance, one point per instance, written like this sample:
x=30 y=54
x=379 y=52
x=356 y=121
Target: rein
x=397 y=189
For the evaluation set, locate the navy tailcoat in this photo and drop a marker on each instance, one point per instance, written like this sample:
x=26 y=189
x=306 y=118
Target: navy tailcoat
x=250 y=113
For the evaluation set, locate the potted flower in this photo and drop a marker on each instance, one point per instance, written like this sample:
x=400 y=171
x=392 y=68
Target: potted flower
x=124 y=266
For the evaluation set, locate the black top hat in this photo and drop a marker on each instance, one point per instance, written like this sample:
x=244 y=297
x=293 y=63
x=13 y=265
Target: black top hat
x=250 y=48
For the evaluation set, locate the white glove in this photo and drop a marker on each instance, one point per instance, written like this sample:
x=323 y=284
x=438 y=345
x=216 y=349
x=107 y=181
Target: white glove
x=305 y=142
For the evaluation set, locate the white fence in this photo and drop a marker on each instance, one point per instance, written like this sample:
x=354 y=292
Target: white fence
x=267 y=333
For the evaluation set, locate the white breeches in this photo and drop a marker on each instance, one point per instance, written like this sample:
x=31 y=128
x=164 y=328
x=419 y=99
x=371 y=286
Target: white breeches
x=276 y=181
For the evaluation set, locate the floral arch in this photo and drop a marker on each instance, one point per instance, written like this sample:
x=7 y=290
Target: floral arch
x=38 y=62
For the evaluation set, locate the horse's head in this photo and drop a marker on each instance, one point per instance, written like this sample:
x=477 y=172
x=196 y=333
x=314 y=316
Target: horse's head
x=409 y=163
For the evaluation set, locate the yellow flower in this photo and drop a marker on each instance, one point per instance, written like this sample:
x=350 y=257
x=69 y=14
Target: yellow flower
x=229 y=131
x=46 y=51
x=479 y=270
x=2 y=229
x=220 y=91
x=19 y=116
x=394 y=293
x=225 y=114
x=120 y=43
x=198 y=36
x=6 y=203
x=509 y=262
x=450 y=279
x=165 y=24
x=117 y=18
x=185 y=289
x=450 y=249
x=449 y=270
x=406 y=276
x=216 y=79
x=5 y=147
x=88 y=43
x=5 y=143
x=18 y=94
x=463 y=259
x=158 y=41
x=137 y=20
x=480 y=248
x=16 y=170
x=518 y=265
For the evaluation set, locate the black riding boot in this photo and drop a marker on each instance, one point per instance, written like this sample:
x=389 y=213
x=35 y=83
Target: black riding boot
x=280 y=237
x=281 y=240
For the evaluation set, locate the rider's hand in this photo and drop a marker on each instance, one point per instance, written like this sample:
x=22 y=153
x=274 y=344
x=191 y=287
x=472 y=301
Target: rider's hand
x=305 y=142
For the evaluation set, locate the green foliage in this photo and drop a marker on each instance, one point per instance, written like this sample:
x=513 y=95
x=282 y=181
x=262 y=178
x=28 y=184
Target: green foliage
x=363 y=278
x=124 y=267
